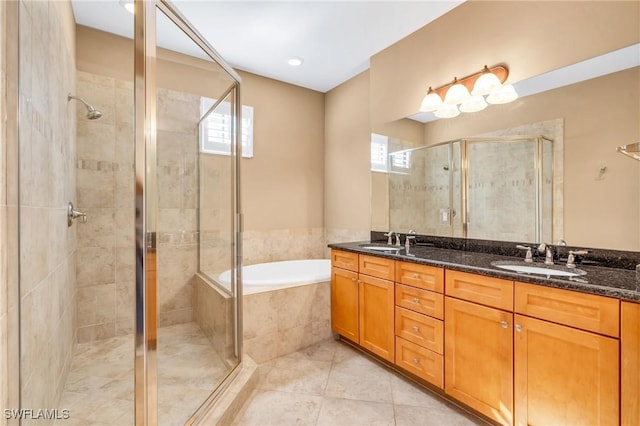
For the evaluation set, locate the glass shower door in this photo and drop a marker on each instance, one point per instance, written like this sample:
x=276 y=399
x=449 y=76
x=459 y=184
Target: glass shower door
x=193 y=217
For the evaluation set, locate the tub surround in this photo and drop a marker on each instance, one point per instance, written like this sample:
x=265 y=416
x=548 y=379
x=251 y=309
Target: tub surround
x=279 y=322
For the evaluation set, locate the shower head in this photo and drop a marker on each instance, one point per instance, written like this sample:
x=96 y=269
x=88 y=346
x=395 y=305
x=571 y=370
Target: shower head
x=92 y=113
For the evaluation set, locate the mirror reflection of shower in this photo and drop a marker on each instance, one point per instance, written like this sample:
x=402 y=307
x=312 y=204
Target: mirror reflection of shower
x=92 y=113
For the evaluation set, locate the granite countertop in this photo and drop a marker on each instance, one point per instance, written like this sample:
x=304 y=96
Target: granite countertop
x=612 y=282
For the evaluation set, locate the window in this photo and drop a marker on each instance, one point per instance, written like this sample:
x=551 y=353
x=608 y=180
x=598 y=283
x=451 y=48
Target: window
x=401 y=160
x=215 y=128
x=379 y=147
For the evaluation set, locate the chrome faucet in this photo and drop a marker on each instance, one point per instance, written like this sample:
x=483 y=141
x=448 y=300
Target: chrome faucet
x=398 y=239
x=390 y=239
x=549 y=255
x=411 y=235
x=528 y=258
x=571 y=259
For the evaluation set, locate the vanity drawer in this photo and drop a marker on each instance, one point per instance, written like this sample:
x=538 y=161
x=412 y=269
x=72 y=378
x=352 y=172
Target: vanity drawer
x=422 y=301
x=489 y=291
x=419 y=329
x=377 y=267
x=422 y=362
x=344 y=260
x=584 y=311
x=422 y=276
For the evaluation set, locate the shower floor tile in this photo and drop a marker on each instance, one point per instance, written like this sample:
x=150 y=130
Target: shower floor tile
x=99 y=388
x=333 y=384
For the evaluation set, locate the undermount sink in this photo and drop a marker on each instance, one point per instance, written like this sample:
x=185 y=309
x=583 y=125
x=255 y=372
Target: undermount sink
x=548 y=271
x=381 y=247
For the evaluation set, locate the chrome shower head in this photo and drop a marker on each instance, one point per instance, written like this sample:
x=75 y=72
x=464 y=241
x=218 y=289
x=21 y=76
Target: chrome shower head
x=92 y=113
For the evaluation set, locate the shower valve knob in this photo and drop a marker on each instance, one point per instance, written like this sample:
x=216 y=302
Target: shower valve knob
x=73 y=214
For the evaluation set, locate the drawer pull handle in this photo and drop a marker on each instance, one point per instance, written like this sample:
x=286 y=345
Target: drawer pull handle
x=416 y=361
x=416 y=328
x=518 y=328
x=416 y=300
x=504 y=324
x=354 y=280
x=416 y=276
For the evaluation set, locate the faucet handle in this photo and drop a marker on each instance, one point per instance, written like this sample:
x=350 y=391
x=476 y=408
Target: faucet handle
x=529 y=256
x=571 y=259
x=390 y=235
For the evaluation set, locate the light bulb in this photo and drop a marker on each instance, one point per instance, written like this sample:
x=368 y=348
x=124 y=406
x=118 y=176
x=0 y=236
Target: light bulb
x=431 y=101
x=503 y=95
x=456 y=94
x=128 y=4
x=487 y=83
x=473 y=104
x=447 y=111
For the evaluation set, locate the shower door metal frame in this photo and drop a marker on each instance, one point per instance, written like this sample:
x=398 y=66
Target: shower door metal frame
x=464 y=175
x=146 y=192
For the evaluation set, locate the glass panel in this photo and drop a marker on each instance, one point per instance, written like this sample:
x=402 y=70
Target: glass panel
x=502 y=194
x=77 y=282
x=195 y=226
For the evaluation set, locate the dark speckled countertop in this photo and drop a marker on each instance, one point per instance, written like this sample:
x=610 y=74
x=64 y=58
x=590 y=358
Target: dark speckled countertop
x=605 y=281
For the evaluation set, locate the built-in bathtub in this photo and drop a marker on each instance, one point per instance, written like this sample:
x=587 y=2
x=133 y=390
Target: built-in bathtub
x=286 y=306
x=278 y=275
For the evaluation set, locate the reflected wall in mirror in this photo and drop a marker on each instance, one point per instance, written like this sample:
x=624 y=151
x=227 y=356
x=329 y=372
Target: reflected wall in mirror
x=596 y=190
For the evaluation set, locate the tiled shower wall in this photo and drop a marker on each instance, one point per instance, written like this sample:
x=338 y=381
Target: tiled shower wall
x=4 y=279
x=47 y=183
x=106 y=245
x=106 y=250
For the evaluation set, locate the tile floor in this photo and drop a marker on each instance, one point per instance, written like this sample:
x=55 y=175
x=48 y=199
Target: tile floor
x=333 y=384
x=99 y=389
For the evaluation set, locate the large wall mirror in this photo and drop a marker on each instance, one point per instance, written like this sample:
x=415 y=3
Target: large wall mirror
x=593 y=191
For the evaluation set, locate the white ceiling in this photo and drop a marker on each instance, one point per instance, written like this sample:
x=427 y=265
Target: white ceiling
x=334 y=38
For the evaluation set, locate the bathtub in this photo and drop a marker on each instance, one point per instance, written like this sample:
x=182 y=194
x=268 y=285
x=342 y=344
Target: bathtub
x=278 y=275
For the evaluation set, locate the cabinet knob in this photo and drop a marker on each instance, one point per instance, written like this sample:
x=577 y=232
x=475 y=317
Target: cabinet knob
x=416 y=300
x=416 y=328
x=518 y=328
x=416 y=276
x=416 y=361
x=504 y=324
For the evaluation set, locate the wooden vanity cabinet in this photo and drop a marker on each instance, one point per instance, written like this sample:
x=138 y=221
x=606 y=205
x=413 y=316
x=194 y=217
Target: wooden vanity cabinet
x=419 y=327
x=478 y=354
x=566 y=350
x=630 y=368
x=362 y=301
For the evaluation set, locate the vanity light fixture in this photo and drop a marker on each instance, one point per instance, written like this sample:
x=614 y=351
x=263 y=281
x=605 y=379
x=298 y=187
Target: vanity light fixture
x=470 y=94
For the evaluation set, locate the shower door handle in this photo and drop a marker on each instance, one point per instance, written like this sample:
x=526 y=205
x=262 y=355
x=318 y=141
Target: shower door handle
x=73 y=214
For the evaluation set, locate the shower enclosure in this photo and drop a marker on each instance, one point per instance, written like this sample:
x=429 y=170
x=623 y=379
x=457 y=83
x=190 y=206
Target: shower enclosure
x=121 y=319
x=498 y=188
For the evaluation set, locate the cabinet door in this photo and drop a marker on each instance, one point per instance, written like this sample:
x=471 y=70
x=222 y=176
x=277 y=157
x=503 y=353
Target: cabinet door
x=344 y=303
x=478 y=358
x=376 y=316
x=563 y=375
x=630 y=374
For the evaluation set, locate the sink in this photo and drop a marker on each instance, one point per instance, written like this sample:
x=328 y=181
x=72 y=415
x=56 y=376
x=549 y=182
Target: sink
x=381 y=247
x=548 y=271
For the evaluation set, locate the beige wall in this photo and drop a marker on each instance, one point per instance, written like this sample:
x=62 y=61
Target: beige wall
x=529 y=37
x=347 y=205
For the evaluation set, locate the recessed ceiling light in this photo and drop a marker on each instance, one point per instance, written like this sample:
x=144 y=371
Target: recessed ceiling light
x=295 y=61
x=127 y=4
